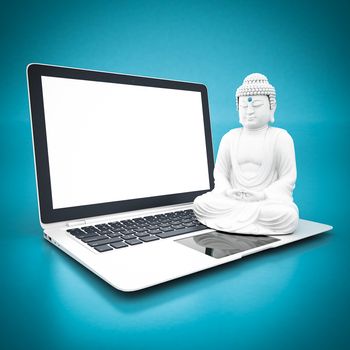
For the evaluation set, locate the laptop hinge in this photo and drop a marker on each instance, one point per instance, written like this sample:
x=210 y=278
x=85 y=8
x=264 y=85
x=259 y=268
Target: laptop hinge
x=76 y=223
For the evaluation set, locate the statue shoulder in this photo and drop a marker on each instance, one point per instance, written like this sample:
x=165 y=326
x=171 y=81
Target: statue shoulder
x=284 y=144
x=232 y=134
x=281 y=134
x=230 y=137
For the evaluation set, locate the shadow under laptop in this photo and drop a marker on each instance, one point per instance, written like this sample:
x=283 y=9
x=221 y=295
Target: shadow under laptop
x=278 y=265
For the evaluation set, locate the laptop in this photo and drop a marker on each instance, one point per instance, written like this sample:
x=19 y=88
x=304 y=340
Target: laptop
x=119 y=160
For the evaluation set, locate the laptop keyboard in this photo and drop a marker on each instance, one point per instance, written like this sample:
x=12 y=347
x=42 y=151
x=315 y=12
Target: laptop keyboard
x=125 y=233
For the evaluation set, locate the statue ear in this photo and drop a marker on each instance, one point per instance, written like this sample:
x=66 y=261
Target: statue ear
x=272 y=114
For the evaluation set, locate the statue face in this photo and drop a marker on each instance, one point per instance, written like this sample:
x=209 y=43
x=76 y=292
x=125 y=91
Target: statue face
x=254 y=111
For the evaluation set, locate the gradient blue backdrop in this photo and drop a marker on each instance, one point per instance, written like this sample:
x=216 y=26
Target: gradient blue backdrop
x=294 y=297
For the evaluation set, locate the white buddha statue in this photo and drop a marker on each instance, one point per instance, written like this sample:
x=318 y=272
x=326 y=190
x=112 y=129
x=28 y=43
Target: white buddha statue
x=255 y=170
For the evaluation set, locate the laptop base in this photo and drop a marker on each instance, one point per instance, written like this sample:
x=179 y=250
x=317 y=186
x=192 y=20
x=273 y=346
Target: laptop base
x=143 y=266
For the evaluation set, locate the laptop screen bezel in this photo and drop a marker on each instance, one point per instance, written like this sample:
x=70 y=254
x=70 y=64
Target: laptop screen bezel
x=50 y=215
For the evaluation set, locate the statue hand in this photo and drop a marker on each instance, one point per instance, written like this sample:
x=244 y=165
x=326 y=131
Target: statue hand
x=254 y=196
x=245 y=195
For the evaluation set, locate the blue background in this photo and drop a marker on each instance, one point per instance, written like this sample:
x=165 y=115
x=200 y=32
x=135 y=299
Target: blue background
x=292 y=297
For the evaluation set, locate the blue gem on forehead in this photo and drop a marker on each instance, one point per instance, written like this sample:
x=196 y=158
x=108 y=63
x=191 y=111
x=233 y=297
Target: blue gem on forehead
x=250 y=99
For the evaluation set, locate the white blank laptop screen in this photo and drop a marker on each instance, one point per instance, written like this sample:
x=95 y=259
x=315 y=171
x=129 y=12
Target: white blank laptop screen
x=109 y=142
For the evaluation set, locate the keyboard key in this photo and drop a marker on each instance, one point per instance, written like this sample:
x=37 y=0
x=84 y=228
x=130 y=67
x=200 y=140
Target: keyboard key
x=116 y=229
x=130 y=226
x=158 y=216
x=141 y=234
x=186 y=220
x=76 y=232
x=177 y=226
x=167 y=229
x=113 y=234
x=115 y=224
x=118 y=245
x=133 y=241
x=102 y=227
x=149 y=238
x=188 y=224
x=139 y=220
x=128 y=237
x=142 y=225
x=90 y=229
x=151 y=220
x=122 y=231
x=140 y=229
x=105 y=229
x=153 y=232
x=103 y=248
x=181 y=231
x=91 y=238
x=127 y=222
x=128 y=232
x=104 y=241
x=85 y=234
x=117 y=239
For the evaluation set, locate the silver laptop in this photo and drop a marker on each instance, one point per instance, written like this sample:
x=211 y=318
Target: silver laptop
x=119 y=160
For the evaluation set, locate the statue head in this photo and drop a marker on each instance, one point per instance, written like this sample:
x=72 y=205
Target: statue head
x=256 y=101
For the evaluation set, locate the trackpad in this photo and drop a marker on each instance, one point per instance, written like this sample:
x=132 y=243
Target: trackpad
x=218 y=245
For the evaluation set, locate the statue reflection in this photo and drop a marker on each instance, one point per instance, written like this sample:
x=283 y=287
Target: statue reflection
x=218 y=245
